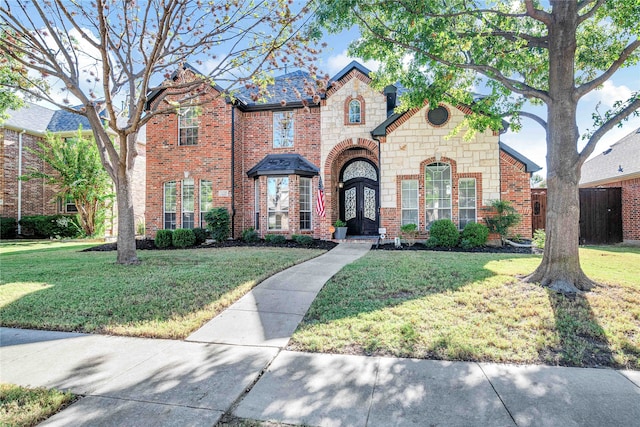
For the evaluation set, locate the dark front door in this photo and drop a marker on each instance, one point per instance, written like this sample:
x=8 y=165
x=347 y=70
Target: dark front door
x=359 y=197
x=359 y=201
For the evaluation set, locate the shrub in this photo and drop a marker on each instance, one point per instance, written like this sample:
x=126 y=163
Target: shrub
x=163 y=238
x=339 y=223
x=250 y=235
x=183 y=238
x=201 y=235
x=218 y=223
x=539 y=239
x=51 y=226
x=506 y=217
x=444 y=233
x=303 y=239
x=409 y=232
x=276 y=239
x=474 y=235
x=8 y=228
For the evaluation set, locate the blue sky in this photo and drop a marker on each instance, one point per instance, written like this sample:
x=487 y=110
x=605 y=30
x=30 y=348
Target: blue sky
x=530 y=141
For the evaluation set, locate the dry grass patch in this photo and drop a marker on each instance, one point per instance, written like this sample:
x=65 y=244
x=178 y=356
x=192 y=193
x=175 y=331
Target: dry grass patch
x=472 y=307
x=25 y=407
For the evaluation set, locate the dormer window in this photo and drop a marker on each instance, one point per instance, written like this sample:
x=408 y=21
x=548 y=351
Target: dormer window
x=355 y=112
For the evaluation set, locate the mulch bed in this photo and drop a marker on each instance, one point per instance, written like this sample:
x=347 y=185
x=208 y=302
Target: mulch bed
x=148 y=244
x=506 y=249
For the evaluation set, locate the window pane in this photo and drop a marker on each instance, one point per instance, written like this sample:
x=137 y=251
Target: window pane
x=409 y=201
x=187 y=203
x=466 y=201
x=305 y=203
x=354 y=111
x=283 y=129
x=170 y=205
x=437 y=192
x=206 y=200
x=187 y=126
x=278 y=203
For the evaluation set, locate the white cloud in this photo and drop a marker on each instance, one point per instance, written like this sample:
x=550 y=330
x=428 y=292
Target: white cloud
x=608 y=94
x=335 y=63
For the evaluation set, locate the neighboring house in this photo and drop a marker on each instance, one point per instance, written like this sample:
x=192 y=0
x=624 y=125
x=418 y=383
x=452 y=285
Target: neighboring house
x=264 y=160
x=619 y=167
x=22 y=131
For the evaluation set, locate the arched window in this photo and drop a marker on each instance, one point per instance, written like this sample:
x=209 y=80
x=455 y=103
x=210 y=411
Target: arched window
x=437 y=192
x=355 y=111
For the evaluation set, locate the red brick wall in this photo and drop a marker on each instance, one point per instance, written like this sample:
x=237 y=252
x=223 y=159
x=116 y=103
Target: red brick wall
x=630 y=207
x=516 y=187
x=254 y=140
x=209 y=160
x=38 y=198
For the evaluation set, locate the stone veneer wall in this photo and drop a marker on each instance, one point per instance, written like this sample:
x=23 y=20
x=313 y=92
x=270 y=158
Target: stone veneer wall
x=412 y=143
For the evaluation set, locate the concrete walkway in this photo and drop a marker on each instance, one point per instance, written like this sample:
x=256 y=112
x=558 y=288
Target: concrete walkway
x=144 y=382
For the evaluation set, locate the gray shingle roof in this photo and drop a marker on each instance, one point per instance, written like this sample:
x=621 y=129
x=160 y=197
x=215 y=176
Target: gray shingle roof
x=65 y=121
x=283 y=164
x=621 y=161
x=283 y=90
x=31 y=117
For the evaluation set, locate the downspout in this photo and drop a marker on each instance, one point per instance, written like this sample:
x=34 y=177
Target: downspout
x=379 y=177
x=233 y=174
x=19 y=180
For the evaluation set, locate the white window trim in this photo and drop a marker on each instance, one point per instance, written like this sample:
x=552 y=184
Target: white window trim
x=450 y=209
x=181 y=113
x=269 y=211
x=164 y=203
x=282 y=114
x=402 y=208
x=202 y=200
x=359 y=112
x=183 y=204
x=475 y=200
x=308 y=182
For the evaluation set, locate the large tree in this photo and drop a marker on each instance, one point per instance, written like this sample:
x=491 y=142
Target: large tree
x=76 y=172
x=551 y=53
x=106 y=54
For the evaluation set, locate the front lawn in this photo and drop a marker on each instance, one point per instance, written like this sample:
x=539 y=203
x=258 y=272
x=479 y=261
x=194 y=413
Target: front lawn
x=172 y=293
x=24 y=407
x=472 y=307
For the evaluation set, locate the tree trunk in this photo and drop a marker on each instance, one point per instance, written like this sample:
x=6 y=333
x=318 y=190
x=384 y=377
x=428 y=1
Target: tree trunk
x=560 y=267
x=126 y=219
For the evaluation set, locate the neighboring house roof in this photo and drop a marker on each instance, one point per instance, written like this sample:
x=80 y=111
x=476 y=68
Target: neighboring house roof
x=530 y=165
x=65 y=121
x=31 y=117
x=283 y=164
x=619 y=162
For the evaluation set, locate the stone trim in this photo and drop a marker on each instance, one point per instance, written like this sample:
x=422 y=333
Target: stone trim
x=362 y=110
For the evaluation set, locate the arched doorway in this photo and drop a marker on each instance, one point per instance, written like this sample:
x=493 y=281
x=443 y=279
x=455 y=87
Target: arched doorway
x=359 y=197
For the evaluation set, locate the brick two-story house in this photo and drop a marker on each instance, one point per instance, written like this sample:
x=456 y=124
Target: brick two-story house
x=379 y=169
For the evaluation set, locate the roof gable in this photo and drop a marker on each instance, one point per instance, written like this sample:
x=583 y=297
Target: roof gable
x=530 y=165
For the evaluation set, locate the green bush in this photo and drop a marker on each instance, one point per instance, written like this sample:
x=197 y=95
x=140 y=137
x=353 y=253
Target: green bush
x=409 y=232
x=201 y=235
x=506 y=217
x=183 y=238
x=444 y=232
x=539 y=239
x=250 y=235
x=51 y=226
x=303 y=239
x=8 y=228
x=474 y=235
x=218 y=223
x=276 y=239
x=164 y=238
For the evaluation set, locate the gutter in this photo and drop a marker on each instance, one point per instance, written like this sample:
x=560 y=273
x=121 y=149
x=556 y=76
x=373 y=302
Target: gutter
x=19 y=180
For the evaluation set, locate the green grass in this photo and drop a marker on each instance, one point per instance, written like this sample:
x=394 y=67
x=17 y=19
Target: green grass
x=473 y=307
x=172 y=293
x=23 y=407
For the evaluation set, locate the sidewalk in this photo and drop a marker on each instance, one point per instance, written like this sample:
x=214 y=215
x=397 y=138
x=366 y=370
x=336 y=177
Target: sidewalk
x=144 y=382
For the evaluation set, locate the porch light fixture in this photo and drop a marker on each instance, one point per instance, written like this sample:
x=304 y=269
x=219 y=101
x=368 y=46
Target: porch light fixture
x=341 y=184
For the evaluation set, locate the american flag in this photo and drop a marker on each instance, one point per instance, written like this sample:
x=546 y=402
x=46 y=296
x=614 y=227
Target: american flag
x=320 y=201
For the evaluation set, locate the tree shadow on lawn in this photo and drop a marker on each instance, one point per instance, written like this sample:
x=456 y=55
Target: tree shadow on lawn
x=576 y=336
x=581 y=340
